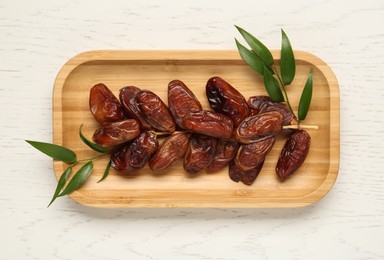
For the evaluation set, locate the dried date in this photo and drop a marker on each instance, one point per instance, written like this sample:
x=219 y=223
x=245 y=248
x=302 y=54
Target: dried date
x=255 y=104
x=135 y=155
x=226 y=100
x=128 y=101
x=262 y=104
x=171 y=151
x=258 y=127
x=209 y=123
x=117 y=133
x=104 y=106
x=181 y=101
x=282 y=108
x=155 y=111
x=293 y=154
x=225 y=152
x=200 y=153
x=251 y=155
x=235 y=172
x=247 y=177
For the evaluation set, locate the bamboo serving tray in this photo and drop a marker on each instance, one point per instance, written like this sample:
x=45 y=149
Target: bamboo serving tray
x=175 y=188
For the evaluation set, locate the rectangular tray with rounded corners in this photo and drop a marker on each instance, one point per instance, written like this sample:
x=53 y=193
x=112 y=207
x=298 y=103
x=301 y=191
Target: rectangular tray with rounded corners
x=153 y=70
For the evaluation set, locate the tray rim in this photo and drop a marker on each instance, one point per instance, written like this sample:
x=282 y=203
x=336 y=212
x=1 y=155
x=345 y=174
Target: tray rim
x=175 y=55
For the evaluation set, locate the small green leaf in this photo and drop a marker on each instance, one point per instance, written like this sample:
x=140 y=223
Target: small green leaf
x=287 y=60
x=92 y=145
x=78 y=179
x=258 y=47
x=63 y=179
x=251 y=58
x=306 y=97
x=272 y=86
x=106 y=172
x=57 y=152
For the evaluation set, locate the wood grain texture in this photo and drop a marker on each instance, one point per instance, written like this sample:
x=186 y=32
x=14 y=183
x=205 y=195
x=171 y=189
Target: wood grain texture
x=153 y=70
x=38 y=37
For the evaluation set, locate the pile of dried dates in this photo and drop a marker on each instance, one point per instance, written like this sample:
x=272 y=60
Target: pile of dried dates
x=237 y=133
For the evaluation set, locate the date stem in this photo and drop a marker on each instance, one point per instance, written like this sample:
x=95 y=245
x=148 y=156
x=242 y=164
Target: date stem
x=301 y=126
x=165 y=133
x=160 y=133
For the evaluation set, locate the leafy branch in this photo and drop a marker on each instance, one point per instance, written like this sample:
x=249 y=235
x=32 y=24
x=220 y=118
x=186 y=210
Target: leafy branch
x=68 y=156
x=261 y=60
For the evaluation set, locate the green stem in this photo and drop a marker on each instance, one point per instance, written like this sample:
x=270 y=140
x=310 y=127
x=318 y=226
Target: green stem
x=92 y=158
x=89 y=159
x=283 y=87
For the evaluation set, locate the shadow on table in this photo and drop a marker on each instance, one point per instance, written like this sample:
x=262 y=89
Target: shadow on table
x=199 y=213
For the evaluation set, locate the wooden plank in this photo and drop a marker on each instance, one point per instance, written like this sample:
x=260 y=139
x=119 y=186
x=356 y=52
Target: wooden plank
x=153 y=70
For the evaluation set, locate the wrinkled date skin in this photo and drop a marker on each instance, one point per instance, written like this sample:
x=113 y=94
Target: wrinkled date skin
x=134 y=156
x=235 y=172
x=200 y=153
x=117 y=133
x=258 y=127
x=293 y=154
x=128 y=101
x=181 y=101
x=226 y=100
x=155 y=111
x=225 y=152
x=251 y=155
x=282 y=108
x=247 y=177
x=104 y=106
x=171 y=151
x=209 y=123
x=255 y=103
x=262 y=104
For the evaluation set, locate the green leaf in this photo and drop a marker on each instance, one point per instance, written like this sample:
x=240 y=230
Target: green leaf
x=106 y=172
x=251 y=58
x=63 y=179
x=78 y=179
x=92 y=145
x=258 y=47
x=306 y=97
x=272 y=86
x=57 y=152
x=287 y=60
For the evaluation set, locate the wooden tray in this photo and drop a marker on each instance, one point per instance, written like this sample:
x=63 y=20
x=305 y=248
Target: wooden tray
x=153 y=70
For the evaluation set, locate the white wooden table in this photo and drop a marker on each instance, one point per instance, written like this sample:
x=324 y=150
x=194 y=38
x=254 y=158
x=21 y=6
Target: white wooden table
x=38 y=37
